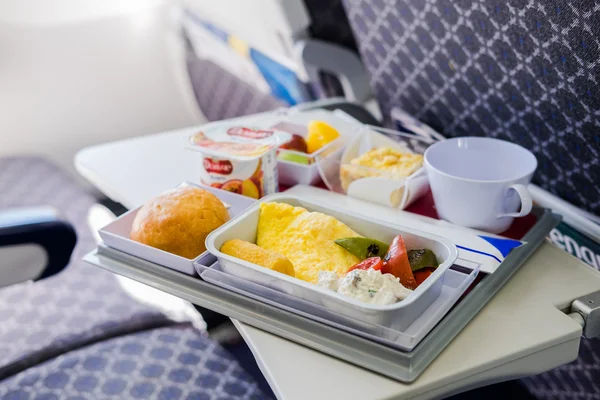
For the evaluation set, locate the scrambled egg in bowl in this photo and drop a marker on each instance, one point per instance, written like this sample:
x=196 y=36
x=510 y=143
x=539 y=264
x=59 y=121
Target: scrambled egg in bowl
x=382 y=161
x=306 y=239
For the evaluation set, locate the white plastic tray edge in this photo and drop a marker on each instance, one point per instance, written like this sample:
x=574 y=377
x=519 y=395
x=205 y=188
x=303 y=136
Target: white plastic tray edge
x=406 y=340
x=395 y=364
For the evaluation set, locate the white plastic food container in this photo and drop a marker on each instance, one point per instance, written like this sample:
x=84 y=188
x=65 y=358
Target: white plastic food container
x=238 y=158
x=399 y=315
x=292 y=173
x=372 y=184
x=116 y=234
x=455 y=284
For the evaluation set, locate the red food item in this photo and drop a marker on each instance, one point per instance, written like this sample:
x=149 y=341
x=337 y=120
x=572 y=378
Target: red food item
x=221 y=167
x=396 y=263
x=297 y=143
x=423 y=274
x=370 y=263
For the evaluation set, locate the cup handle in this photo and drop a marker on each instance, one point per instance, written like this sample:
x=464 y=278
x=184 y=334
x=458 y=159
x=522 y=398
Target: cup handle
x=526 y=201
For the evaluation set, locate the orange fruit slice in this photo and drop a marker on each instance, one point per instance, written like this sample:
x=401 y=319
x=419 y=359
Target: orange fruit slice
x=320 y=134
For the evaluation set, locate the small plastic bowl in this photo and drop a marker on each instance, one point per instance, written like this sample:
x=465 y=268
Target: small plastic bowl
x=380 y=186
x=116 y=234
x=305 y=170
x=293 y=173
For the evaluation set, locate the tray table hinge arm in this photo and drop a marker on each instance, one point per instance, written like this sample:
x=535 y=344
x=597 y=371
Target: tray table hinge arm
x=586 y=311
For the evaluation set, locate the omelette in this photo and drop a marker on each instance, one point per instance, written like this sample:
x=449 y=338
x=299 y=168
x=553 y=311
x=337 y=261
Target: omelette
x=305 y=238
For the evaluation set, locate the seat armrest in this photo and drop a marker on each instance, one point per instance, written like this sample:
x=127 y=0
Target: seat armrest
x=35 y=243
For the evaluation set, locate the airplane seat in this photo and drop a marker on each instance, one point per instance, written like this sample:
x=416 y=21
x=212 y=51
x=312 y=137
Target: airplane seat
x=330 y=24
x=174 y=362
x=80 y=332
x=526 y=72
x=221 y=94
x=79 y=305
x=55 y=333
x=231 y=79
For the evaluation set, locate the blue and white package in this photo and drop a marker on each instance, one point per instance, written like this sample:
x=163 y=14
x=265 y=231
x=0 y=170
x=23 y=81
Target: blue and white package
x=475 y=249
x=487 y=252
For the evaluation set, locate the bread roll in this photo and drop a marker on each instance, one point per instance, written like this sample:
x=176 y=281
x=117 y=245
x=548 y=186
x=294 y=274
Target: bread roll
x=179 y=220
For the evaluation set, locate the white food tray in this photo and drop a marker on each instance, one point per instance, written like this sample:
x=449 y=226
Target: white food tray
x=397 y=364
x=454 y=285
x=397 y=316
x=117 y=234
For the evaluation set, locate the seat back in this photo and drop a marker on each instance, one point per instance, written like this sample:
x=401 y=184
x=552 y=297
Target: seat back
x=523 y=71
x=225 y=77
x=330 y=24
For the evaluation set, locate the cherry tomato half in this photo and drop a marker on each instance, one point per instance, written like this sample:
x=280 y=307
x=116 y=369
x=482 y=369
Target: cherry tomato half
x=370 y=263
x=396 y=263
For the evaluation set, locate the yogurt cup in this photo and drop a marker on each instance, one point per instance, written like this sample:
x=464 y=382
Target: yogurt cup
x=239 y=159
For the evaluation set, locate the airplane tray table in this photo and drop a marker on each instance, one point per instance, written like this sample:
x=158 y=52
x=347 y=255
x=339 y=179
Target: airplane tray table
x=404 y=366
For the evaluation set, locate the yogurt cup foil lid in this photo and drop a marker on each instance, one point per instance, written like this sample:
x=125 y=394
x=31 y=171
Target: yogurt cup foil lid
x=238 y=142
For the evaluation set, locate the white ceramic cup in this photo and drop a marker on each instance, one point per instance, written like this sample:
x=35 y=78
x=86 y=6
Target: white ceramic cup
x=480 y=182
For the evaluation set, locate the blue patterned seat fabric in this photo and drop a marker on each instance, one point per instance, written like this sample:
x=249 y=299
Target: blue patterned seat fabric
x=170 y=363
x=80 y=305
x=527 y=71
x=222 y=95
x=520 y=70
